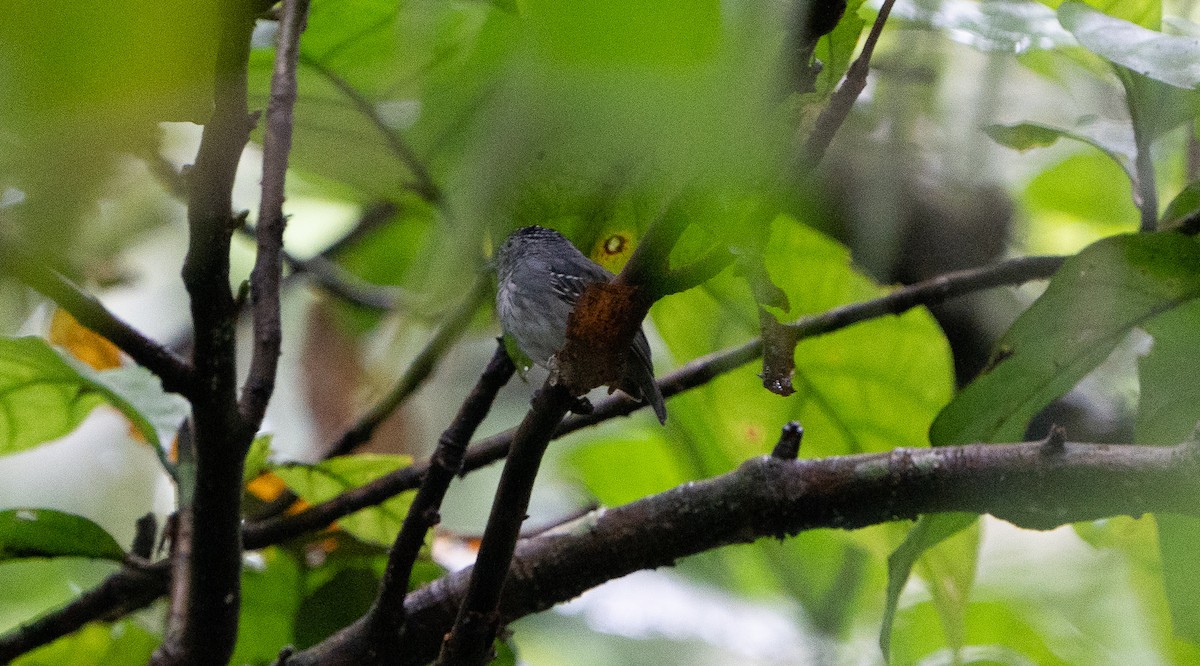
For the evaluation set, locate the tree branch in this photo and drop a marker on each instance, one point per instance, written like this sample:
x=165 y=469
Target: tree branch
x=424 y=185
x=770 y=497
x=268 y=264
x=174 y=371
x=835 y=112
x=387 y=613
x=202 y=626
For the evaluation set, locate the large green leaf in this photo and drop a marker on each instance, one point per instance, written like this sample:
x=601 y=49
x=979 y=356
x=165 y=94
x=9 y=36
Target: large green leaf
x=43 y=396
x=329 y=478
x=1168 y=58
x=48 y=533
x=870 y=387
x=272 y=585
x=928 y=533
x=97 y=644
x=1010 y=26
x=1093 y=302
x=1168 y=410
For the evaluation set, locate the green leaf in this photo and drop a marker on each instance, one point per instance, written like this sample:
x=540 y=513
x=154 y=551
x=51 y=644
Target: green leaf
x=1147 y=13
x=327 y=479
x=45 y=396
x=47 y=533
x=869 y=387
x=1167 y=58
x=1168 y=410
x=1185 y=206
x=257 y=458
x=272 y=584
x=928 y=532
x=334 y=604
x=1093 y=302
x=1112 y=138
x=1000 y=26
x=835 y=51
x=1178 y=537
x=97 y=644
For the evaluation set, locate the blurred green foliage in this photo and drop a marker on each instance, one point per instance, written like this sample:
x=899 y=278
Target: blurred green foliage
x=470 y=118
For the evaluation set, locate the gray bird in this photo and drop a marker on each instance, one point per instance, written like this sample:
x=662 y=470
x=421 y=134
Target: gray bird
x=541 y=277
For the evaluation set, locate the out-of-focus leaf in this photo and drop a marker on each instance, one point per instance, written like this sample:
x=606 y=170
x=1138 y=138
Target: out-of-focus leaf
x=45 y=397
x=1146 y=13
x=927 y=533
x=865 y=388
x=1184 y=207
x=324 y=480
x=1112 y=138
x=271 y=590
x=948 y=569
x=1024 y=136
x=1178 y=537
x=334 y=604
x=1167 y=58
x=96 y=644
x=92 y=78
x=1168 y=410
x=996 y=633
x=1010 y=26
x=49 y=533
x=257 y=459
x=1090 y=306
x=1077 y=202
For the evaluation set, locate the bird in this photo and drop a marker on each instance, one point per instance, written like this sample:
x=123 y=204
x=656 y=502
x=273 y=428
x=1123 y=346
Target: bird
x=540 y=277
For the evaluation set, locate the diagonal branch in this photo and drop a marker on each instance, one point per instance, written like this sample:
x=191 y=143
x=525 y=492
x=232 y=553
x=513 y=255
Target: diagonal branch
x=268 y=263
x=174 y=371
x=424 y=185
x=834 y=114
x=387 y=613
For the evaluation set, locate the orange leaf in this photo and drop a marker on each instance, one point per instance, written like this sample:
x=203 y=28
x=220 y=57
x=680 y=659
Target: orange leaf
x=82 y=342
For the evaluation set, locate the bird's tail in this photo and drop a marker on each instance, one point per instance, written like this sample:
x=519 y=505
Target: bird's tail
x=641 y=372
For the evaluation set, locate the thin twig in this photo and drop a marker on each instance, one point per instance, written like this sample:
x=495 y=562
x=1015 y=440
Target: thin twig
x=835 y=112
x=424 y=185
x=174 y=371
x=268 y=264
x=416 y=373
x=387 y=613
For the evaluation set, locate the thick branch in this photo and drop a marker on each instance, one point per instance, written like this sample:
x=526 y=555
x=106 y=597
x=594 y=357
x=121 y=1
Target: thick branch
x=770 y=497
x=205 y=593
x=174 y=372
x=268 y=263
